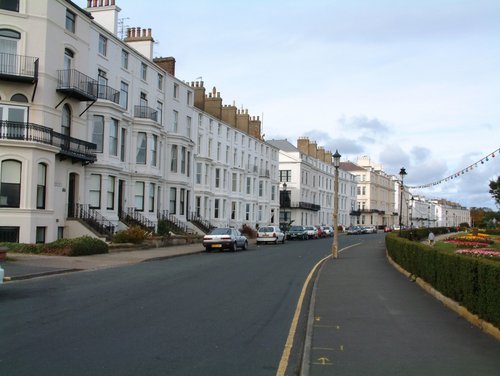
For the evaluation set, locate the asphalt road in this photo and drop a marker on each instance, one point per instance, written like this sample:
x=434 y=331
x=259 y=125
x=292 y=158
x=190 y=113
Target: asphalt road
x=207 y=314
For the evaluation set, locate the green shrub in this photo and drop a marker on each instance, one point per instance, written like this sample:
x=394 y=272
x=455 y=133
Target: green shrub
x=133 y=234
x=472 y=282
x=163 y=229
x=87 y=245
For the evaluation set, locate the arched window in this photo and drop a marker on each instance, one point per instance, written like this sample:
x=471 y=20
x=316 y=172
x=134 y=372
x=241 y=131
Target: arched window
x=10 y=184
x=8 y=43
x=19 y=98
x=41 y=186
x=66 y=120
x=68 y=58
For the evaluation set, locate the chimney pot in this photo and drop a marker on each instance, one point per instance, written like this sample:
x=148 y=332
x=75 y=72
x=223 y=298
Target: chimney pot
x=149 y=32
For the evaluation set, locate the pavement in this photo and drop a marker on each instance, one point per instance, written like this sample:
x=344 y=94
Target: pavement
x=25 y=266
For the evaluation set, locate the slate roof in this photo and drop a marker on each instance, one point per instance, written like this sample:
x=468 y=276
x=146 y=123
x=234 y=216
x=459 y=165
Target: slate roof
x=284 y=145
x=349 y=166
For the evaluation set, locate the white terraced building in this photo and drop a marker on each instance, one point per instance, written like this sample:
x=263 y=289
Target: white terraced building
x=95 y=132
x=306 y=176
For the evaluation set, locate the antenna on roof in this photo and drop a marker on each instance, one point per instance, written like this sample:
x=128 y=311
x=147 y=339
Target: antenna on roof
x=122 y=27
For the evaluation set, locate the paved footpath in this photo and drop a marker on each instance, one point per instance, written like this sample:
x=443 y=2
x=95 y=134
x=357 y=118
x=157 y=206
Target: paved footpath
x=369 y=319
x=23 y=266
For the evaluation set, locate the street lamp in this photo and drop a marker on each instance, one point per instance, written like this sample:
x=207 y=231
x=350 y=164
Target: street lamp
x=283 y=203
x=336 y=164
x=402 y=173
x=410 y=212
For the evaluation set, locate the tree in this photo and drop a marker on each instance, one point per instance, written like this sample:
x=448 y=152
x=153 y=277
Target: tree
x=495 y=190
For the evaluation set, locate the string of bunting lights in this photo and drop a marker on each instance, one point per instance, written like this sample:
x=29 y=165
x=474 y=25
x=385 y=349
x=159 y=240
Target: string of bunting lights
x=460 y=172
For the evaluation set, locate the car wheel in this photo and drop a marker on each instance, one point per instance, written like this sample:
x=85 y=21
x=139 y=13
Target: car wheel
x=245 y=246
x=258 y=243
x=233 y=247
x=208 y=249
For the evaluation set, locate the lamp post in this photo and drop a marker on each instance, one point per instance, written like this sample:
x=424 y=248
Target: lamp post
x=336 y=164
x=412 y=209
x=402 y=173
x=283 y=203
x=429 y=216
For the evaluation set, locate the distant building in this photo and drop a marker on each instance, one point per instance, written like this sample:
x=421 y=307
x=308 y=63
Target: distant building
x=374 y=193
x=306 y=177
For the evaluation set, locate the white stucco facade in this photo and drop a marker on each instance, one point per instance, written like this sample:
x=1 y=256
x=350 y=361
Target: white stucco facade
x=100 y=127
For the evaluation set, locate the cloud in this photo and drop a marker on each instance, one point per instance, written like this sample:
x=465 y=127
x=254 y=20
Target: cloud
x=420 y=153
x=372 y=126
x=347 y=147
x=393 y=157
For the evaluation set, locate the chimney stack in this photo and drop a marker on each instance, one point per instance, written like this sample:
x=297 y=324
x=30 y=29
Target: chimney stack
x=105 y=13
x=167 y=63
x=142 y=43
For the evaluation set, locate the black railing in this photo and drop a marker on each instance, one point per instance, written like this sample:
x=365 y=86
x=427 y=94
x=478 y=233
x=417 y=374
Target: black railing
x=77 y=84
x=93 y=218
x=174 y=224
x=145 y=112
x=69 y=146
x=108 y=93
x=201 y=223
x=370 y=211
x=305 y=205
x=131 y=217
x=18 y=67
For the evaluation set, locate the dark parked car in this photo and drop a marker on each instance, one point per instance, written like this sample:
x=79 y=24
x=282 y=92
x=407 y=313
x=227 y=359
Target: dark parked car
x=297 y=232
x=354 y=230
x=225 y=238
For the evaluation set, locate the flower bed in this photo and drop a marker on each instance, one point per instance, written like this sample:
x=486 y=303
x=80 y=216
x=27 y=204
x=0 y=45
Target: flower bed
x=480 y=252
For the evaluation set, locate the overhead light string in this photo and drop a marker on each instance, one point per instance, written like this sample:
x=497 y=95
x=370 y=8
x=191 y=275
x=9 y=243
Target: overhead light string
x=460 y=172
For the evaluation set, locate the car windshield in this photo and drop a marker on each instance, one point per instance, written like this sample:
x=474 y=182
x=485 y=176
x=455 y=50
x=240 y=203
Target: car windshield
x=296 y=228
x=221 y=231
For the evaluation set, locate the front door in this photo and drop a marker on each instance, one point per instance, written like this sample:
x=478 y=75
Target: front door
x=72 y=195
x=121 y=192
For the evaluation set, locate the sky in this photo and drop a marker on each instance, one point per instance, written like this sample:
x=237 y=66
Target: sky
x=413 y=84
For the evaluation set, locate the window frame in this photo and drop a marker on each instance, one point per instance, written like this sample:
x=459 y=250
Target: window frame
x=7 y=188
x=41 y=186
x=70 y=24
x=103 y=45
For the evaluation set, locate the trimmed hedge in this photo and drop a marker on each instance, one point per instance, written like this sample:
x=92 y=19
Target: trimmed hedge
x=472 y=282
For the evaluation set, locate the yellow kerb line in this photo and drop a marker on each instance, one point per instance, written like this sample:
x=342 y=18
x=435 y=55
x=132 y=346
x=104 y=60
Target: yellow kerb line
x=293 y=328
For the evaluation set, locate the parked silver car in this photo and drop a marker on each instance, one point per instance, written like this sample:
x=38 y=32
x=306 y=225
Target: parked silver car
x=1 y=274
x=225 y=238
x=312 y=232
x=271 y=234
